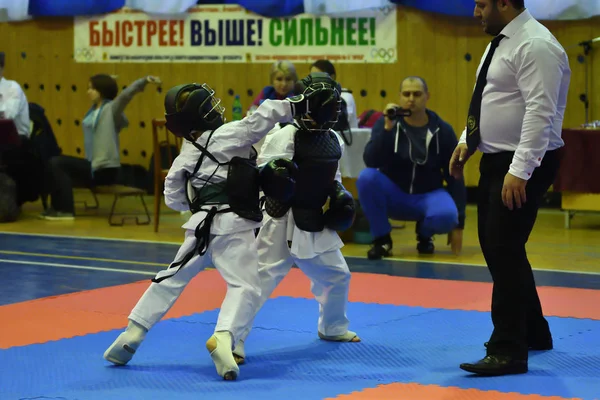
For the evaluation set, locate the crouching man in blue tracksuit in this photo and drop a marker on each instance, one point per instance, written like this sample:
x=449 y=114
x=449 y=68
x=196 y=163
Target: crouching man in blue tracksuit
x=407 y=161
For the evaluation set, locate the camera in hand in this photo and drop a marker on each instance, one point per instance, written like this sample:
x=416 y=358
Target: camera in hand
x=397 y=112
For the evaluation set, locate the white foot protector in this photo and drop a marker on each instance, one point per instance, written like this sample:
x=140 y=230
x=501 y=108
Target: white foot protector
x=219 y=347
x=126 y=344
x=349 y=336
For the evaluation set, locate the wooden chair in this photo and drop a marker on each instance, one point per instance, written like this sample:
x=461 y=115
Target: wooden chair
x=160 y=173
x=119 y=192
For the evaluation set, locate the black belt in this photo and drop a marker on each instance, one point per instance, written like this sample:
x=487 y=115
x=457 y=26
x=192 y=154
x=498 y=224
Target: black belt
x=202 y=234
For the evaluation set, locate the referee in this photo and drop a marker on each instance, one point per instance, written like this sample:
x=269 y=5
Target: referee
x=515 y=119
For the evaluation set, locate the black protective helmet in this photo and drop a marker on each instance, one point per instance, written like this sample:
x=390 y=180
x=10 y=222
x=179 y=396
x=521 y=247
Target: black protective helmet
x=324 y=117
x=201 y=110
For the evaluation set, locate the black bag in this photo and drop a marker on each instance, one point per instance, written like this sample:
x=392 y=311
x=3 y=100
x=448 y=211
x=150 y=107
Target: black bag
x=43 y=140
x=9 y=209
x=41 y=148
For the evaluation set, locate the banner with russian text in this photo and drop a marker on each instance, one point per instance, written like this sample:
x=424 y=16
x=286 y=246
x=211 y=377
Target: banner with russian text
x=220 y=33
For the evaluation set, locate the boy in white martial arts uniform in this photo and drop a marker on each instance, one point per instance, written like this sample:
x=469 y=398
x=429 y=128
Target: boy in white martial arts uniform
x=216 y=178
x=298 y=232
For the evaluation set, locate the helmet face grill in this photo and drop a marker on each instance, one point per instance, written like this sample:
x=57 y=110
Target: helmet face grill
x=215 y=102
x=327 y=116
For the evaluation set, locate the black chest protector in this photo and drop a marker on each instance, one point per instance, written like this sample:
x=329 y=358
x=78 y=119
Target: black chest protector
x=241 y=191
x=317 y=155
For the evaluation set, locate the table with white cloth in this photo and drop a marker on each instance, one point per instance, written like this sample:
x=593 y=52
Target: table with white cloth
x=352 y=162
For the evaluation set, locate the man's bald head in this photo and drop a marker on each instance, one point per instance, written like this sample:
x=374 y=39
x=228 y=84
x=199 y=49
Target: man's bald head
x=413 y=80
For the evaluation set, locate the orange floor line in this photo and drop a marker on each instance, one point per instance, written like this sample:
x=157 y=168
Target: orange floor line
x=92 y=311
x=413 y=391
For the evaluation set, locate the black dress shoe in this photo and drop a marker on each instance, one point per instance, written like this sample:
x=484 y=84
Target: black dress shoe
x=544 y=345
x=496 y=365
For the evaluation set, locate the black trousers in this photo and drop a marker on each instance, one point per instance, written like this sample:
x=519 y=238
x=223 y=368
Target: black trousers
x=516 y=310
x=66 y=172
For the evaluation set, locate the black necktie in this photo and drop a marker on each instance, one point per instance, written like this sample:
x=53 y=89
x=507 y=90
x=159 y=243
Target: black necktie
x=473 y=133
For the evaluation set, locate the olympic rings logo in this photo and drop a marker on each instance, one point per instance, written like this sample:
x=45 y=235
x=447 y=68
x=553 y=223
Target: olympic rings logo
x=381 y=54
x=84 y=54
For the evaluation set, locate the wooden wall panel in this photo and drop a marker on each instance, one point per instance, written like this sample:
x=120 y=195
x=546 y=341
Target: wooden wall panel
x=444 y=50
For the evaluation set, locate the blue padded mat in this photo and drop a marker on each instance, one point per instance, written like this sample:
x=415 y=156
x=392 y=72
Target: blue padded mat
x=286 y=360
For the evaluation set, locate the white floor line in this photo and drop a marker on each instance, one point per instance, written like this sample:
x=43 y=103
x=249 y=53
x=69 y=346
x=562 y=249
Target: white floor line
x=92 y=238
x=469 y=264
x=355 y=257
x=72 y=266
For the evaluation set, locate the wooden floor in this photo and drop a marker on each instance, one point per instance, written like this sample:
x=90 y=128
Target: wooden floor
x=551 y=246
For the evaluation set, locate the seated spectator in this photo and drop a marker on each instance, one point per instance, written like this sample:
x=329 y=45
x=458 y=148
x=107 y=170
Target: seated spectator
x=18 y=160
x=407 y=160
x=101 y=127
x=13 y=102
x=347 y=97
x=283 y=78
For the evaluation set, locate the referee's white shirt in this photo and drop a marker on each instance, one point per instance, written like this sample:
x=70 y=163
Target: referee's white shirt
x=524 y=101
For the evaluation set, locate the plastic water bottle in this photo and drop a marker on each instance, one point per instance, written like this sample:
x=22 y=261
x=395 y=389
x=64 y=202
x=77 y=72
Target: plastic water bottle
x=236 y=110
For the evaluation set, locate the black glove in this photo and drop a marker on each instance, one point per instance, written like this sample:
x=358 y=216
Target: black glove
x=319 y=97
x=277 y=179
x=342 y=209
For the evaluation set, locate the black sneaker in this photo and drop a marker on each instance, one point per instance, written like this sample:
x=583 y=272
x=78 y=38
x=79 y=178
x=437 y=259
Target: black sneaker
x=425 y=245
x=53 y=215
x=382 y=247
